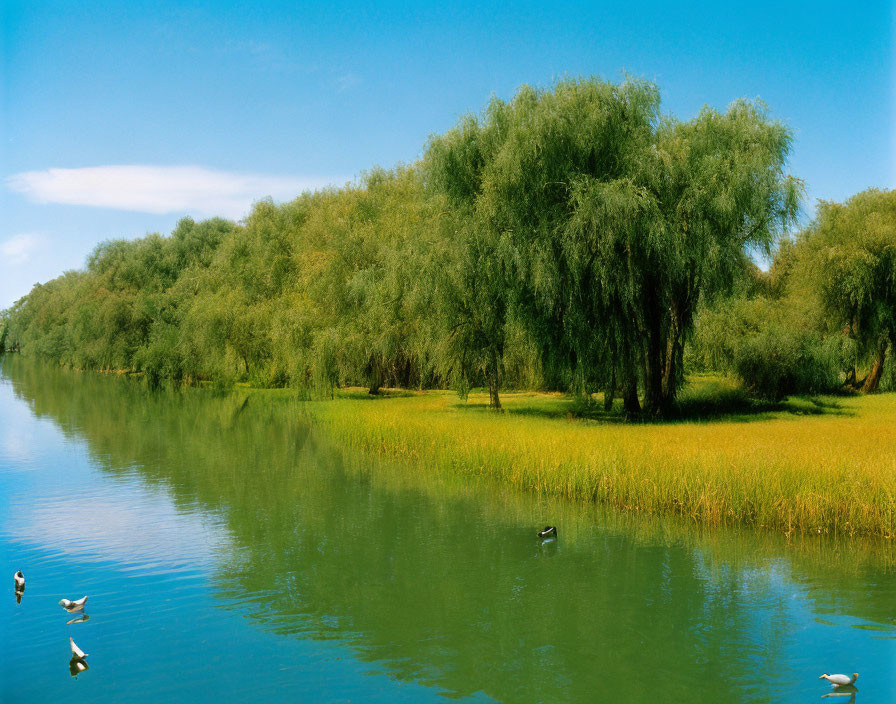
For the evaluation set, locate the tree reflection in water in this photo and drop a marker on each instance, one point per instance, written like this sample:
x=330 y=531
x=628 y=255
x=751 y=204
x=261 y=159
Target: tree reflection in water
x=447 y=584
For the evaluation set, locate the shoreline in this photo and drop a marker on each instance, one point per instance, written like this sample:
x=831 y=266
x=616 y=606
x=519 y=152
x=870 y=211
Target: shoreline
x=808 y=466
x=788 y=471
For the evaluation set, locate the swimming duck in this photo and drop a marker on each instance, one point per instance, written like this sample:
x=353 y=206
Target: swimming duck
x=548 y=532
x=19 y=581
x=75 y=605
x=840 y=680
x=76 y=651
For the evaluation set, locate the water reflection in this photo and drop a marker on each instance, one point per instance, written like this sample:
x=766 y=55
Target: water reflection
x=447 y=584
x=77 y=665
x=78 y=662
x=130 y=524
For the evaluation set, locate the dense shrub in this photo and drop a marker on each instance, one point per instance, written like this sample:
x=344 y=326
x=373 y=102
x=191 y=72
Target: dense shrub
x=777 y=361
x=771 y=347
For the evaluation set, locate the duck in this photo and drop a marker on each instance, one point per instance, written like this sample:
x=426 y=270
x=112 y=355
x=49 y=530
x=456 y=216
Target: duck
x=75 y=605
x=76 y=651
x=548 y=532
x=19 y=580
x=840 y=680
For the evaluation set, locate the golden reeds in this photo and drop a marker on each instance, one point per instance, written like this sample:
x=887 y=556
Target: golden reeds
x=824 y=466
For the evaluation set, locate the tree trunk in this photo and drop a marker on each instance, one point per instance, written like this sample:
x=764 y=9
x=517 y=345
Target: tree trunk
x=376 y=378
x=630 y=403
x=610 y=392
x=655 y=337
x=653 y=375
x=674 y=354
x=407 y=371
x=629 y=382
x=494 y=381
x=872 y=382
x=852 y=376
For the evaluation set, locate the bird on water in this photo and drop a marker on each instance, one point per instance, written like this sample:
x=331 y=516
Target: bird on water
x=18 y=580
x=75 y=605
x=840 y=680
x=548 y=532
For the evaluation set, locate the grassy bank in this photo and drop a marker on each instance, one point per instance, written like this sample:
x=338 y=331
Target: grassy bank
x=824 y=465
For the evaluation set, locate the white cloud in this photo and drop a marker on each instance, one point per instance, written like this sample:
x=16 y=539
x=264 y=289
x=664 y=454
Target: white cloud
x=18 y=248
x=160 y=189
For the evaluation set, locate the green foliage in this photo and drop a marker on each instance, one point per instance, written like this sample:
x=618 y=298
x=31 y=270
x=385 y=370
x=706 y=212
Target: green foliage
x=771 y=345
x=599 y=224
x=122 y=312
x=850 y=254
x=4 y=330
x=826 y=308
x=778 y=361
x=572 y=238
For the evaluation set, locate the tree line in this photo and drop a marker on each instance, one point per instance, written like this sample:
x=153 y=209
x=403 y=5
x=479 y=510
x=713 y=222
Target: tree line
x=572 y=238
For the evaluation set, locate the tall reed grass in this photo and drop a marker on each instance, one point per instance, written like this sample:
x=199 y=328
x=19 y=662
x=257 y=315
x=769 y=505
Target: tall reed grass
x=823 y=465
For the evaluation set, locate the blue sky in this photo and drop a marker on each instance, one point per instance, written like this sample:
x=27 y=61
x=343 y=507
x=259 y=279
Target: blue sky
x=119 y=118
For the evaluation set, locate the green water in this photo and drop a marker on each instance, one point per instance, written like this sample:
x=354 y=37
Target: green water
x=232 y=554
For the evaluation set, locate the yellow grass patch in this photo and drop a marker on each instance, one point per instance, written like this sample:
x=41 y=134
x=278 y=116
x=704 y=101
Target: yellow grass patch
x=821 y=466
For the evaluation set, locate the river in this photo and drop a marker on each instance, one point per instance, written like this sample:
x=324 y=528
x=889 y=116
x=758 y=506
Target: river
x=231 y=554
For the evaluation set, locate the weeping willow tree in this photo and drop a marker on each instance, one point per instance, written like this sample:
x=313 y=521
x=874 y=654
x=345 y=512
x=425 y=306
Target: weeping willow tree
x=824 y=312
x=123 y=310
x=601 y=224
x=849 y=262
x=379 y=320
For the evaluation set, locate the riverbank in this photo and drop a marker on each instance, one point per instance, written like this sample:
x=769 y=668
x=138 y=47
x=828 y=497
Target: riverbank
x=823 y=465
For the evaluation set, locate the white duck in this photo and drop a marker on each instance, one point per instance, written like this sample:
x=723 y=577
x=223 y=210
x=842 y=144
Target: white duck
x=76 y=651
x=75 y=605
x=19 y=580
x=840 y=680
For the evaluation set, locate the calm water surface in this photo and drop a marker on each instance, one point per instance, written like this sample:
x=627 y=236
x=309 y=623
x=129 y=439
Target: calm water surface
x=231 y=554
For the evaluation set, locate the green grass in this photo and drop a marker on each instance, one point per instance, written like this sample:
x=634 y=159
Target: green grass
x=810 y=465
